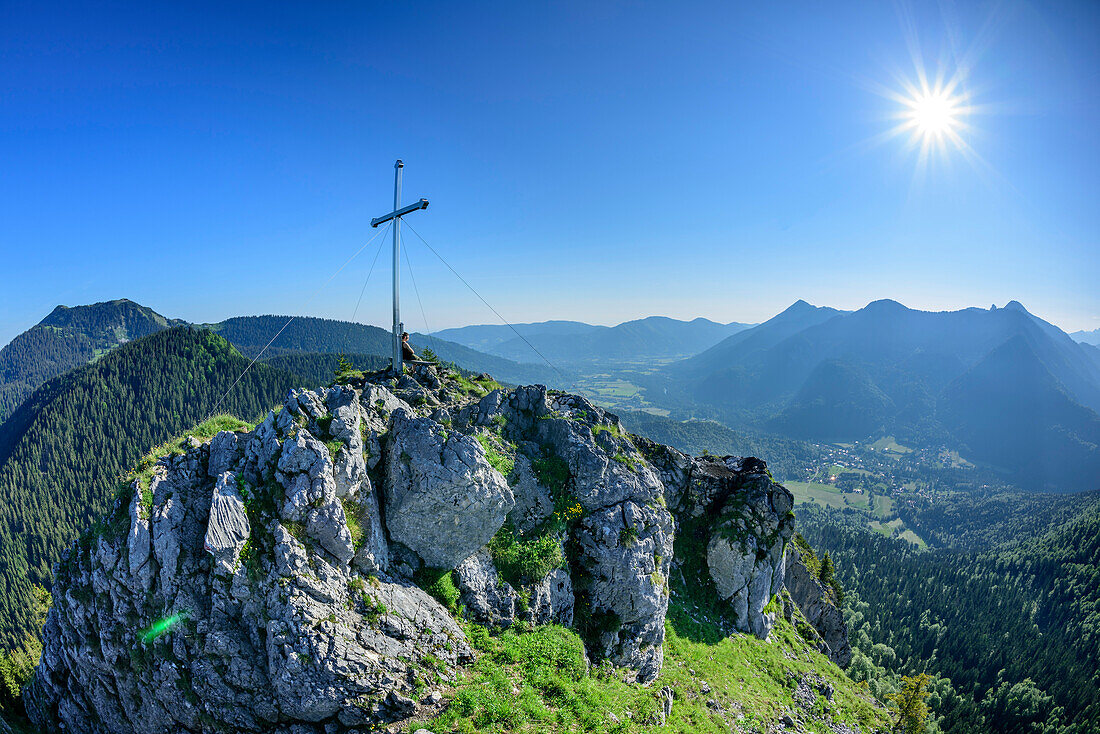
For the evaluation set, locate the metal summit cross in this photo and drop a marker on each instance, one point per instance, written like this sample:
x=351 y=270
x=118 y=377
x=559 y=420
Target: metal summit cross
x=395 y=215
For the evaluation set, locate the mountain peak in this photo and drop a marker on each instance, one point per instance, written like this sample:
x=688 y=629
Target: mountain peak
x=798 y=307
x=1015 y=306
x=884 y=304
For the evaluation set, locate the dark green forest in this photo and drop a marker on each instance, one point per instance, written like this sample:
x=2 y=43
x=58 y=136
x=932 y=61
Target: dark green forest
x=67 y=338
x=1012 y=633
x=981 y=517
x=65 y=448
x=308 y=335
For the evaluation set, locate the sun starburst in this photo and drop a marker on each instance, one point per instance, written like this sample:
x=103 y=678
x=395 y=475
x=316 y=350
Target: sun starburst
x=934 y=116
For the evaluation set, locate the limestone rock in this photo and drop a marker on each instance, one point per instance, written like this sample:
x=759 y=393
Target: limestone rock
x=287 y=638
x=443 y=500
x=139 y=544
x=625 y=551
x=817 y=605
x=227 y=530
x=552 y=599
x=166 y=623
x=488 y=599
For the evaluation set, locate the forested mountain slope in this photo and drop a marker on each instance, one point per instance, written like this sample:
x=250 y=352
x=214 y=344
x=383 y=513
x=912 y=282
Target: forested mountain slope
x=787 y=459
x=1016 y=630
x=67 y=338
x=66 y=447
x=326 y=336
x=70 y=337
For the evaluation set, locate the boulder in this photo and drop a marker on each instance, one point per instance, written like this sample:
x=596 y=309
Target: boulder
x=488 y=599
x=624 y=552
x=442 y=498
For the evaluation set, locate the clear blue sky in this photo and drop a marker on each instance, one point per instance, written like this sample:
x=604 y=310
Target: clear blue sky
x=598 y=161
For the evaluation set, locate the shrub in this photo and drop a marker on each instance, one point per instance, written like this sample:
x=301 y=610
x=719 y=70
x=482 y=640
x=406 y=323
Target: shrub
x=520 y=559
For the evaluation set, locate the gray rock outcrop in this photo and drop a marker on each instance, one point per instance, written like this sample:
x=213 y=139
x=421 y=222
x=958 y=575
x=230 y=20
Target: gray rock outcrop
x=819 y=608
x=740 y=522
x=443 y=499
x=268 y=585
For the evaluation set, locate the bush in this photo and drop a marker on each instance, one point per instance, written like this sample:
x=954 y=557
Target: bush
x=520 y=559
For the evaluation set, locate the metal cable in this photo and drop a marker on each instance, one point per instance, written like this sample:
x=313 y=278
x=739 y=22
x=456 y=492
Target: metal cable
x=474 y=291
x=280 y=331
x=364 y=288
x=416 y=290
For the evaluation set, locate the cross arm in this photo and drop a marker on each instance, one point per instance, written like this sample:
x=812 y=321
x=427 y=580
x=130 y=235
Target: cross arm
x=422 y=204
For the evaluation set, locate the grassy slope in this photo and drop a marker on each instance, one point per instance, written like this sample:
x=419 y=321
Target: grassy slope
x=536 y=681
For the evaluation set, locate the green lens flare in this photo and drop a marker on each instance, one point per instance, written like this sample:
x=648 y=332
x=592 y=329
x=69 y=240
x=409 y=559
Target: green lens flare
x=162 y=626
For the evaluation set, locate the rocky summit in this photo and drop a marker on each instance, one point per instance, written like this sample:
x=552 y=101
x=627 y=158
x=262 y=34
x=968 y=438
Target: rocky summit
x=315 y=573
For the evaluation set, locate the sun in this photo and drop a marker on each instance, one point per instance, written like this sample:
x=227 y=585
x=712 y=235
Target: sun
x=934 y=113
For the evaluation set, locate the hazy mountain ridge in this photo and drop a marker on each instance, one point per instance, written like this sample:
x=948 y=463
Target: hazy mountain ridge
x=1087 y=337
x=886 y=369
x=573 y=343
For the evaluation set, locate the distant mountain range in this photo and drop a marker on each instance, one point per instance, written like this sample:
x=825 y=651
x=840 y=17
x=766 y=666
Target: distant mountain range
x=1008 y=388
x=1002 y=386
x=1087 y=337
x=576 y=345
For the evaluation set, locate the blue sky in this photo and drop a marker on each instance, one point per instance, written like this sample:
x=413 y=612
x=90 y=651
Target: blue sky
x=597 y=161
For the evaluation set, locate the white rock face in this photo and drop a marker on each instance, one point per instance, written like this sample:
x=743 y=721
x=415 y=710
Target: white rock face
x=288 y=638
x=443 y=499
x=227 y=529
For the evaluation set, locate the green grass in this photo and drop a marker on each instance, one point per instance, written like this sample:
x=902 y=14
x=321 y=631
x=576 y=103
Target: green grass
x=888 y=444
x=351 y=515
x=912 y=537
x=887 y=529
x=439 y=583
x=525 y=559
x=553 y=473
x=475 y=387
x=535 y=680
x=143 y=470
x=884 y=506
x=498 y=456
x=828 y=495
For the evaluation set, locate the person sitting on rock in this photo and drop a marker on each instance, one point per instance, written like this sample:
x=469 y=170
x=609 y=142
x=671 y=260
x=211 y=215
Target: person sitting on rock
x=407 y=352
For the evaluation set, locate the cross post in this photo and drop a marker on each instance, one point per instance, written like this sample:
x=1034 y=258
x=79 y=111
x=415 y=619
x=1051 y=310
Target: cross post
x=395 y=215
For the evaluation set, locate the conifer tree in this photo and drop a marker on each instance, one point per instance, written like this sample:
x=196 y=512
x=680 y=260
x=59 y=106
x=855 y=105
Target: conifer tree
x=912 y=707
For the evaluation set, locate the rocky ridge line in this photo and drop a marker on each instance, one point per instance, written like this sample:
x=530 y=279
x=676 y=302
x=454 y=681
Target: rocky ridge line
x=265 y=580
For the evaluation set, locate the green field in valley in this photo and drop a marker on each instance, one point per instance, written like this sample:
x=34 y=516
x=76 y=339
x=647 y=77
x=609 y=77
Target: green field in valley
x=827 y=495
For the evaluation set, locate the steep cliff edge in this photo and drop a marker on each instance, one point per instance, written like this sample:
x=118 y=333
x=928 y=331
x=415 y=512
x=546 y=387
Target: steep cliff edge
x=274 y=579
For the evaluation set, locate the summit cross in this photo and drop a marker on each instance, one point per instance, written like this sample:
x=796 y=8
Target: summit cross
x=395 y=215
